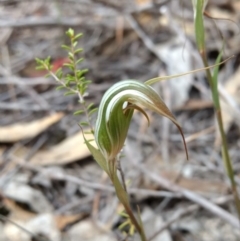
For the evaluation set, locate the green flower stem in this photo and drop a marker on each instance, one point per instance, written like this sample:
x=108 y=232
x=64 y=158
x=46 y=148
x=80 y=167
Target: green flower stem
x=123 y=198
x=109 y=166
x=225 y=152
x=119 y=168
x=199 y=7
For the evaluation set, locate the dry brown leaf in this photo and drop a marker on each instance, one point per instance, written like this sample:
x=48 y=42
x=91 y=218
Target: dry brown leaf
x=221 y=13
x=195 y=104
x=196 y=184
x=63 y=220
x=17 y=212
x=171 y=170
x=20 y=131
x=21 y=215
x=21 y=192
x=71 y=149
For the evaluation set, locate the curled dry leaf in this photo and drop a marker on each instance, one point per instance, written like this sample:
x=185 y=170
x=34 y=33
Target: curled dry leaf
x=64 y=220
x=17 y=212
x=201 y=186
x=71 y=149
x=20 y=131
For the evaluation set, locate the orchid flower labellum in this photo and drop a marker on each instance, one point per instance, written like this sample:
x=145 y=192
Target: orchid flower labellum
x=116 y=110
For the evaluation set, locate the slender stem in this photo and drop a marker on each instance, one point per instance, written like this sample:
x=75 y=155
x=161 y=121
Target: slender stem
x=119 y=167
x=225 y=152
x=199 y=8
x=81 y=98
x=123 y=197
x=135 y=222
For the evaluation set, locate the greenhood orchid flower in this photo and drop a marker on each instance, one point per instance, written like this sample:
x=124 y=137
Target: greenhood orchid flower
x=116 y=110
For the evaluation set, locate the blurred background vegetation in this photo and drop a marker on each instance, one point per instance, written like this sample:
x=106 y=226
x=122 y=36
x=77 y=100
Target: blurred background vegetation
x=50 y=187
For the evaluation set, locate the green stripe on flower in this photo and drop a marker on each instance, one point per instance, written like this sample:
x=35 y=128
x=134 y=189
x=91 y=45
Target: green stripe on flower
x=116 y=110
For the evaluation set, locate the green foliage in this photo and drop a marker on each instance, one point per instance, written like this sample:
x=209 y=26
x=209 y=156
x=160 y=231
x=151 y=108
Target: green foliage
x=114 y=119
x=74 y=82
x=199 y=24
x=199 y=8
x=127 y=223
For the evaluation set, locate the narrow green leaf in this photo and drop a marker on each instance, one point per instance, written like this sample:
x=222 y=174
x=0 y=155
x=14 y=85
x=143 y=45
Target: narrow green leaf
x=39 y=61
x=90 y=106
x=199 y=24
x=60 y=75
x=66 y=47
x=47 y=60
x=158 y=79
x=78 y=51
x=92 y=111
x=79 y=61
x=87 y=82
x=71 y=58
x=78 y=36
x=124 y=224
x=70 y=55
x=121 y=193
x=69 y=93
x=47 y=75
x=58 y=70
x=87 y=132
x=60 y=87
x=123 y=214
x=82 y=90
x=40 y=67
x=83 y=123
x=68 y=64
x=78 y=112
x=75 y=44
x=90 y=140
x=97 y=155
x=70 y=78
x=48 y=67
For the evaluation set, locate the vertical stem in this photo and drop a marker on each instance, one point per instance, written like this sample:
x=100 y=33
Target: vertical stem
x=135 y=222
x=119 y=167
x=199 y=8
x=123 y=197
x=225 y=152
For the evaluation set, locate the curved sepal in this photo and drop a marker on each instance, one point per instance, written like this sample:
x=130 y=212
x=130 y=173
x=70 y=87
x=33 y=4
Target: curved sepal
x=116 y=110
